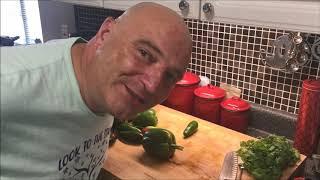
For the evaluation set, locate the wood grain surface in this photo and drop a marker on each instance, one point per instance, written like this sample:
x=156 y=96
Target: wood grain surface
x=201 y=158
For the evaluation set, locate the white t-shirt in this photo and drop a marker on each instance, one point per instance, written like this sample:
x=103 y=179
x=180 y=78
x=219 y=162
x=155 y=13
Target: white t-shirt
x=47 y=131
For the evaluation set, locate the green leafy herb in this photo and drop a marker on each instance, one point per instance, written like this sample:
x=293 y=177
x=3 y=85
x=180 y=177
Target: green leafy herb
x=266 y=158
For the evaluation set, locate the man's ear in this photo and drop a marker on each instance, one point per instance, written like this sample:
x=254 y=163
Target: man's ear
x=104 y=30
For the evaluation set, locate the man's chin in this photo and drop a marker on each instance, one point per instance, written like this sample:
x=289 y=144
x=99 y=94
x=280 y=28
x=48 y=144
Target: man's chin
x=124 y=115
x=121 y=117
x=125 y=112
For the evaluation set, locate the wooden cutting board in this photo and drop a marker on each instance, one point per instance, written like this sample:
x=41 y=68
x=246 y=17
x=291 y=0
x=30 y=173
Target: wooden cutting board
x=201 y=158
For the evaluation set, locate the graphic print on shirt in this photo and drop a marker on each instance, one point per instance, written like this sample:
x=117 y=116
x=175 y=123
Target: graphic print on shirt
x=82 y=161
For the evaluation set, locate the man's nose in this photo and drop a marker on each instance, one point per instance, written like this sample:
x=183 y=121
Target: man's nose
x=152 y=80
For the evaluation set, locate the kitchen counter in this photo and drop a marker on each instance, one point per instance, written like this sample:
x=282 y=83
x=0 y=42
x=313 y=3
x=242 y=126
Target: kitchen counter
x=201 y=158
x=272 y=121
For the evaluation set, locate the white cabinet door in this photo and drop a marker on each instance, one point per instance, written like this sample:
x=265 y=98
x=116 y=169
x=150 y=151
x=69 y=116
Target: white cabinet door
x=120 y=4
x=95 y=3
x=297 y=15
x=191 y=12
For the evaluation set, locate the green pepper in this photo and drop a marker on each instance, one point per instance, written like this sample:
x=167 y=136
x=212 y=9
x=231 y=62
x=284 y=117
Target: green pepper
x=190 y=129
x=171 y=134
x=152 y=111
x=159 y=143
x=146 y=118
x=128 y=134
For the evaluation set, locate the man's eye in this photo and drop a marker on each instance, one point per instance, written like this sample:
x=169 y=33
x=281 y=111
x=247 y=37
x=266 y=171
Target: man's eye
x=146 y=55
x=143 y=52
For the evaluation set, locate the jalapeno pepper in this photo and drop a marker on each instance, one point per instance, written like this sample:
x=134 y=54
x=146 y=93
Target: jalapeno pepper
x=128 y=134
x=146 y=118
x=190 y=129
x=159 y=143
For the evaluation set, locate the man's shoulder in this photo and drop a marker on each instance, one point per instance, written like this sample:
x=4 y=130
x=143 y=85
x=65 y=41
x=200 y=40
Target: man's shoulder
x=61 y=42
x=30 y=57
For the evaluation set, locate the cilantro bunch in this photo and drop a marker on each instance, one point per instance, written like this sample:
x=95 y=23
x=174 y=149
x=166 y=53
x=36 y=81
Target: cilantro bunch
x=265 y=158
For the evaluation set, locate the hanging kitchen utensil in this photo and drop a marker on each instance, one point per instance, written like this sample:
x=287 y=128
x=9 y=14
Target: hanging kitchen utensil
x=302 y=57
x=292 y=66
x=279 y=57
x=289 y=53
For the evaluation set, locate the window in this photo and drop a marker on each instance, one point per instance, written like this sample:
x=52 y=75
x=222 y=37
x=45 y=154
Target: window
x=21 y=18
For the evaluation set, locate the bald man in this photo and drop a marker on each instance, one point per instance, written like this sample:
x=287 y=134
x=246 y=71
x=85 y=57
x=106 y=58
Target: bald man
x=59 y=99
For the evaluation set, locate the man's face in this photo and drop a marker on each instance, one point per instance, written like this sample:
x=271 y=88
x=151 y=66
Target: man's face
x=136 y=67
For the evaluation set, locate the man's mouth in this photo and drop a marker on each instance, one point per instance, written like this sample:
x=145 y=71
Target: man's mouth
x=138 y=96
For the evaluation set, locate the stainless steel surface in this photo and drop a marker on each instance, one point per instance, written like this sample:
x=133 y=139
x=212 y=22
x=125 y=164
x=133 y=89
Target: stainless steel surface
x=241 y=167
x=302 y=49
x=207 y=8
x=183 y=5
x=278 y=59
x=294 y=68
x=289 y=53
x=297 y=39
x=230 y=167
x=241 y=170
x=302 y=59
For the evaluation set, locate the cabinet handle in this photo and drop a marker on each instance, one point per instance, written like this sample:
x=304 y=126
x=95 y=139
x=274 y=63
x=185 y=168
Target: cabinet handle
x=207 y=8
x=183 y=4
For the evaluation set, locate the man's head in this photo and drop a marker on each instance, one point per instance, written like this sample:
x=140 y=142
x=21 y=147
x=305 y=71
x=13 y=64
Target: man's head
x=136 y=60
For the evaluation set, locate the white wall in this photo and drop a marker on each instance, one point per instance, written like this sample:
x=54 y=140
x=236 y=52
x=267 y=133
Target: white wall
x=53 y=16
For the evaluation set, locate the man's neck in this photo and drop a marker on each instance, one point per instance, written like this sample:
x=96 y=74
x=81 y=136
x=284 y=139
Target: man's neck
x=82 y=54
x=79 y=54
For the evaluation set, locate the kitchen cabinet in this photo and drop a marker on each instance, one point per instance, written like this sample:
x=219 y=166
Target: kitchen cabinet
x=201 y=158
x=190 y=9
x=94 y=3
x=296 y=15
